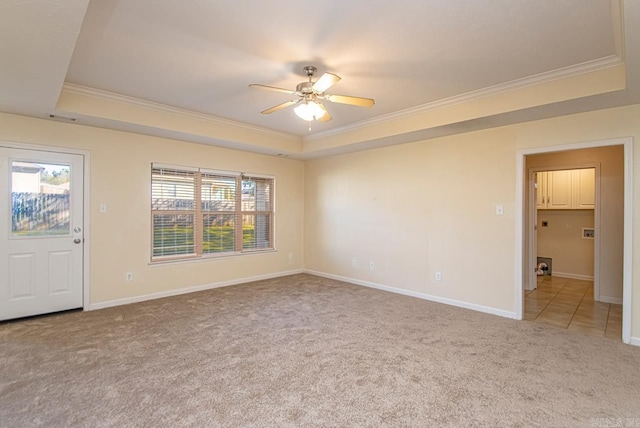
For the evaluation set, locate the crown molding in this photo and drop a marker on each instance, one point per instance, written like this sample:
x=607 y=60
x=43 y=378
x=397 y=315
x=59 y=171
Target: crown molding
x=138 y=102
x=538 y=79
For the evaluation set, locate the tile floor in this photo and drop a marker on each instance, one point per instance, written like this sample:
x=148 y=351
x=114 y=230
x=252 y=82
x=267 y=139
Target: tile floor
x=568 y=303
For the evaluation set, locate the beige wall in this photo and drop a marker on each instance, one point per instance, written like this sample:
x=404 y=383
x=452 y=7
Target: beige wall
x=611 y=205
x=120 y=178
x=429 y=206
x=562 y=241
x=417 y=209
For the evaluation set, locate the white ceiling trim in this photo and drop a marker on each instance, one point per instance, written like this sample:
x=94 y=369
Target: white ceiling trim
x=214 y=120
x=538 y=79
x=617 y=13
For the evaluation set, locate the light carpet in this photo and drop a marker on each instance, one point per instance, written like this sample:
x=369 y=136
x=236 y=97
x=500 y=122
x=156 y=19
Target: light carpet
x=308 y=351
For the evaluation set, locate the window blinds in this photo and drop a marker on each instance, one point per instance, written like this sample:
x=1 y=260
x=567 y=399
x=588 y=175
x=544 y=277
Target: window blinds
x=173 y=211
x=198 y=212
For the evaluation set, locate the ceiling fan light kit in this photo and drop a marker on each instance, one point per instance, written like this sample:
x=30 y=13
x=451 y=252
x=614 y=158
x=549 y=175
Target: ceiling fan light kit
x=309 y=110
x=309 y=93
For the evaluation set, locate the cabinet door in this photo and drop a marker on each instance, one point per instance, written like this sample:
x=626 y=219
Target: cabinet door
x=541 y=190
x=559 y=190
x=584 y=188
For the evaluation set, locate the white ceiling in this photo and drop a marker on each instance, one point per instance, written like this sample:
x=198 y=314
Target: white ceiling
x=37 y=39
x=201 y=55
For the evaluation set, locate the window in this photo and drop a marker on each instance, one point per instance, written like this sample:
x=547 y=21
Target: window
x=197 y=212
x=40 y=199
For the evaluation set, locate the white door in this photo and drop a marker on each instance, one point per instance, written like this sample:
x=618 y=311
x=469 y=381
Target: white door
x=41 y=232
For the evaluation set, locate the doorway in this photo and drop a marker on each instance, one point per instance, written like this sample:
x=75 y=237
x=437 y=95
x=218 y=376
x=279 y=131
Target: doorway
x=564 y=219
x=565 y=292
x=42 y=233
x=612 y=244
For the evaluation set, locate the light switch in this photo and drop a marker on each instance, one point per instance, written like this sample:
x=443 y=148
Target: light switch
x=103 y=208
x=499 y=210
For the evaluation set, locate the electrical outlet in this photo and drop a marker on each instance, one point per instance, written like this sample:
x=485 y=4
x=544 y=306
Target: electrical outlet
x=438 y=276
x=371 y=265
x=128 y=277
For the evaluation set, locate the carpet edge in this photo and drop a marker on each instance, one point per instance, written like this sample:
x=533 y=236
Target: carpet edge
x=179 y=291
x=424 y=296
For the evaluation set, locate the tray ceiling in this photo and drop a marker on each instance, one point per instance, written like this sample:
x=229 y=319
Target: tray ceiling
x=200 y=56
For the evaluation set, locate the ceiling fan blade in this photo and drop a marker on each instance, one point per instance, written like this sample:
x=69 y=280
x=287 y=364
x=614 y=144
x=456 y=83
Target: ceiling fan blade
x=271 y=88
x=325 y=81
x=326 y=117
x=354 y=101
x=280 y=106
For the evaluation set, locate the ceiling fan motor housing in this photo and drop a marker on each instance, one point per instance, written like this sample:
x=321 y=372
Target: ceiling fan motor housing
x=305 y=88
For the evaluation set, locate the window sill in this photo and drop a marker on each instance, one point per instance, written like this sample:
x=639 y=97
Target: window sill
x=209 y=258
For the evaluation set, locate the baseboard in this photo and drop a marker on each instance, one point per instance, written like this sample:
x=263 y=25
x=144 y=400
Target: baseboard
x=169 y=293
x=424 y=296
x=609 y=299
x=635 y=341
x=573 y=276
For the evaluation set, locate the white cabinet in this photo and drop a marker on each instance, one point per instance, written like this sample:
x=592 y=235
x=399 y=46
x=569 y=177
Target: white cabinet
x=559 y=190
x=565 y=189
x=541 y=190
x=583 y=188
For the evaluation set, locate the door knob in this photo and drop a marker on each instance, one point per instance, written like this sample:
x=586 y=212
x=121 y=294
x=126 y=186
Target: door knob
x=77 y=241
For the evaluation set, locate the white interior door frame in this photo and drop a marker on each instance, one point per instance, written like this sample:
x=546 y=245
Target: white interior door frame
x=522 y=230
x=85 y=207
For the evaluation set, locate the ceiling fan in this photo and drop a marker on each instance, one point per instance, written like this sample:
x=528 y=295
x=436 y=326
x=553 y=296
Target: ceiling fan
x=311 y=93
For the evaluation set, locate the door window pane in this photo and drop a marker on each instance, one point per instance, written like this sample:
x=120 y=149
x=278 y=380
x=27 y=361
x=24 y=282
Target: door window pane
x=40 y=199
